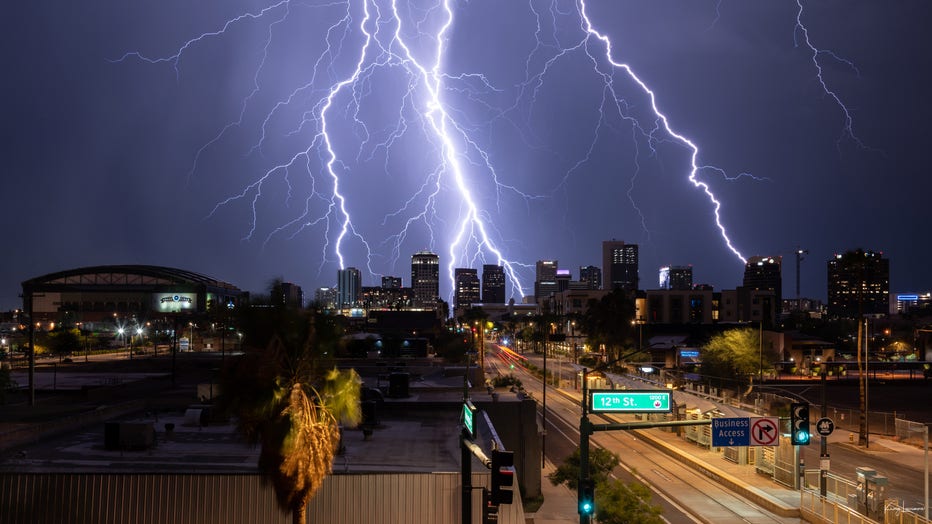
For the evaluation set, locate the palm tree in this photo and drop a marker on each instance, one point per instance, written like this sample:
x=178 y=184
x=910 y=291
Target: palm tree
x=293 y=410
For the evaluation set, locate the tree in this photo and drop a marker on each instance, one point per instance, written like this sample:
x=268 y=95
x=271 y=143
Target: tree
x=619 y=503
x=601 y=464
x=64 y=341
x=288 y=405
x=736 y=353
x=609 y=321
x=616 y=502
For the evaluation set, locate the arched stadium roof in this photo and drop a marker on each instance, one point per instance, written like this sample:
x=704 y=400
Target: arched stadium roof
x=125 y=275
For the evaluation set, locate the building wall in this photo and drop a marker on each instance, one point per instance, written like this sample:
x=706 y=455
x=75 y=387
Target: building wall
x=671 y=306
x=100 y=498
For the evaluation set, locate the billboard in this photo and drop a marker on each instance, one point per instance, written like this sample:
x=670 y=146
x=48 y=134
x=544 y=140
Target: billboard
x=174 y=302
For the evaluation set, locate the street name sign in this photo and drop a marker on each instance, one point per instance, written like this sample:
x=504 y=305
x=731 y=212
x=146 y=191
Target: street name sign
x=469 y=425
x=630 y=401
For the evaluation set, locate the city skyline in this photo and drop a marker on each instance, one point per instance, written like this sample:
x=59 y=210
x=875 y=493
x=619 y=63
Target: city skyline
x=806 y=119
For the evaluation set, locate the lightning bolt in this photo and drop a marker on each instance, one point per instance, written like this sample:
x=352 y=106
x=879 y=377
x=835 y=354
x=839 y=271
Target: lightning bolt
x=371 y=44
x=801 y=31
x=659 y=125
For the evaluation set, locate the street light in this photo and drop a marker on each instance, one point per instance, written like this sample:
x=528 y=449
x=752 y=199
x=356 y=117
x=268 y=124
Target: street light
x=122 y=338
x=139 y=332
x=639 y=322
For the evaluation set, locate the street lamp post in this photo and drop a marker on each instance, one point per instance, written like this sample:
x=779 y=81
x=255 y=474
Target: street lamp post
x=122 y=338
x=139 y=333
x=760 y=353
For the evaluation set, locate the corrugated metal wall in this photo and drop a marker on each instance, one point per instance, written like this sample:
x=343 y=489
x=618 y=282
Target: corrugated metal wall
x=79 y=498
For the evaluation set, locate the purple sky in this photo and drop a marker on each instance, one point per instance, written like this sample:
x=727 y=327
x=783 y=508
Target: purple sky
x=111 y=161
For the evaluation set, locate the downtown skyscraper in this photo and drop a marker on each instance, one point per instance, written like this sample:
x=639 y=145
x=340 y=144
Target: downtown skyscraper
x=858 y=284
x=465 y=287
x=349 y=285
x=425 y=278
x=493 y=284
x=619 y=265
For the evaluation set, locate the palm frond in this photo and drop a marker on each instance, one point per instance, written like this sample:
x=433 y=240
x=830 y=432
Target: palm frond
x=341 y=395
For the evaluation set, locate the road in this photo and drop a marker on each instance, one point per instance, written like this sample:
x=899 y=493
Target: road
x=685 y=495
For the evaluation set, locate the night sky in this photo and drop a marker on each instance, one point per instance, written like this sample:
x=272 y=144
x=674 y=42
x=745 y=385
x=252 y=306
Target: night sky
x=191 y=135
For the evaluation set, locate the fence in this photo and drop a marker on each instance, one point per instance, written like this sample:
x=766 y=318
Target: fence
x=815 y=508
x=99 y=498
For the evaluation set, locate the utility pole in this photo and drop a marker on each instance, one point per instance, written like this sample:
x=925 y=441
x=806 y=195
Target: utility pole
x=799 y=258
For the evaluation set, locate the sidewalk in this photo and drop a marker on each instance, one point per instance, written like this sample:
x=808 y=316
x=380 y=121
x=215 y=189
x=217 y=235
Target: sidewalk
x=559 y=505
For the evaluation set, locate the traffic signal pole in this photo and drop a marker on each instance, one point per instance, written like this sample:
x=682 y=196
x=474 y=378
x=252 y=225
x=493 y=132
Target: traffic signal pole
x=584 y=432
x=585 y=487
x=823 y=452
x=466 y=481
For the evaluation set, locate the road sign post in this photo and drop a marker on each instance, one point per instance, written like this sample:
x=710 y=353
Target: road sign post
x=616 y=401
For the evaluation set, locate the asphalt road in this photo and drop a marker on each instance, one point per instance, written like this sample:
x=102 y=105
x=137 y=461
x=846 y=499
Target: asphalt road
x=685 y=494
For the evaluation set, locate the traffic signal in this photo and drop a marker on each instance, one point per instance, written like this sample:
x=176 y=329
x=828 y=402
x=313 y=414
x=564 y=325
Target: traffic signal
x=489 y=512
x=799 y=423
x=503 y=476
x=586 y=497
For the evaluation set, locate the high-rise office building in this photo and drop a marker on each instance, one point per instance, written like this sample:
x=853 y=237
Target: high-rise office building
x=349 y=285
x=425 y=278
x=681 y=277
x=591 y=277
x=563 y=279
x=619 y=265
x=493 y=284
x=391 y=282
x=858 y=284
x=765 y=273
x=289 y=295
x=466 y=287
x=326 y=297
x=545 y=281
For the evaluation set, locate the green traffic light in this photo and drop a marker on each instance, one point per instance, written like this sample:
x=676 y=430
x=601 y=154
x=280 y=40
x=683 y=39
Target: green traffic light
x=586 y=497
x=802 y=437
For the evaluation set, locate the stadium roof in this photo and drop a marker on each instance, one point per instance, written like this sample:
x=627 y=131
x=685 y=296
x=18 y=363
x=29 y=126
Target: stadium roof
x=125 y=276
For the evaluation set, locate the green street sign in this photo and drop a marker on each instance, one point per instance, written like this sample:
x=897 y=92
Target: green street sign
x=630 y=401
x=469 y=426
